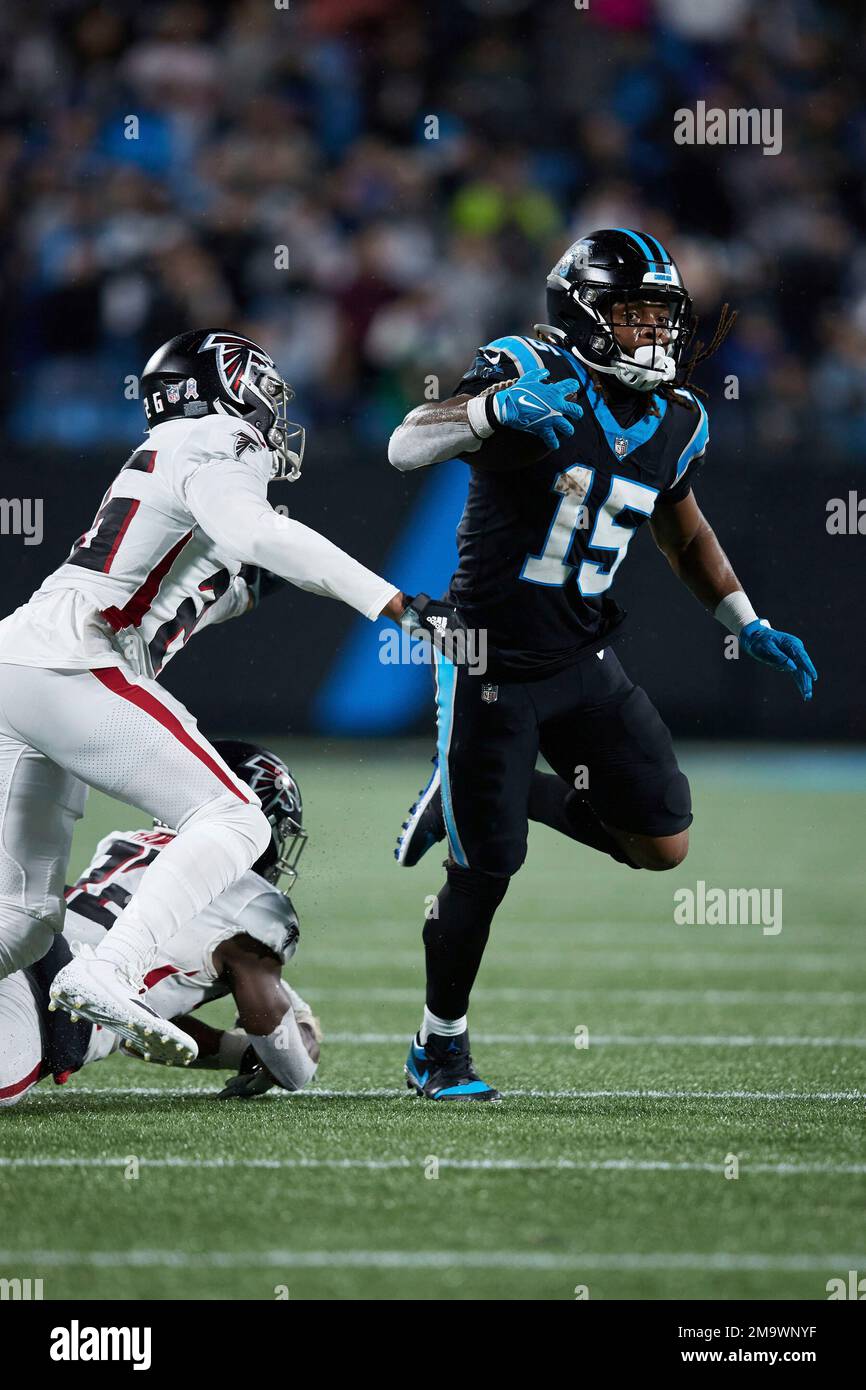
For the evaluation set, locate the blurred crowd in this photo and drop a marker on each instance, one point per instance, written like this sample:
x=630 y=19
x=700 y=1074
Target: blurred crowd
x=373 y=187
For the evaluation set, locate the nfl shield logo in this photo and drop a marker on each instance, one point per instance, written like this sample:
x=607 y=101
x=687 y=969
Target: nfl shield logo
x=489 y=693
x=172 y=391
x=620 y=446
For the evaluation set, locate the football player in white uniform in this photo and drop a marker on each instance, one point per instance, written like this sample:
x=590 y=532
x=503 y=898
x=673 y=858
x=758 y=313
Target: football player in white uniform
x=79 y=703
x=237 y=944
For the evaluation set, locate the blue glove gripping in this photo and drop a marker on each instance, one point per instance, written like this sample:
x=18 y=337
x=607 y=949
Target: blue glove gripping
x=539 y=406
x=780 y=650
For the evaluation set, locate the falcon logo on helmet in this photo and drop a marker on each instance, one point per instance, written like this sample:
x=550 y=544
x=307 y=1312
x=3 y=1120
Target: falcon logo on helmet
x=224 y=374
x=234 y=358
x=270 y=779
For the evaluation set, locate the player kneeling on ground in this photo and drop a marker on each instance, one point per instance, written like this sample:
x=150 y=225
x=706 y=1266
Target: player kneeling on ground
x=237 y=945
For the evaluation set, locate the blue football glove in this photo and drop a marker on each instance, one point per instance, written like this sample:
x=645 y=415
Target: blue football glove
x=539 y=406
x=781 y=650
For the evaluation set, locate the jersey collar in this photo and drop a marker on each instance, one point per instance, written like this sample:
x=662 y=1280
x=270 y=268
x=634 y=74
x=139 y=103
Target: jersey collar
x=638 y=433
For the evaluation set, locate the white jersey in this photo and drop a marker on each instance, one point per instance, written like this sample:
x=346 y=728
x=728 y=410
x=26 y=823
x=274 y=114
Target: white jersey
x=184 y=975
x=163 y=554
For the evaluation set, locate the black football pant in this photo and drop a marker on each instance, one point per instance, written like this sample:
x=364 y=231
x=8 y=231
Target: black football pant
x=614 y=763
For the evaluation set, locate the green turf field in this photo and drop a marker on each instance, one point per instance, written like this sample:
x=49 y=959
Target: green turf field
x=603 y=1167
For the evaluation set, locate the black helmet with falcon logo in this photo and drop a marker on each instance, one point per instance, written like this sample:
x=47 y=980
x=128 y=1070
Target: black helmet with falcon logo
x=270 y=779
x=207 y=373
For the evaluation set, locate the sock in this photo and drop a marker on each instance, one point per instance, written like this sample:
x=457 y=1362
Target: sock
x=455 y=937
x=553 y=802
x=441 y=1027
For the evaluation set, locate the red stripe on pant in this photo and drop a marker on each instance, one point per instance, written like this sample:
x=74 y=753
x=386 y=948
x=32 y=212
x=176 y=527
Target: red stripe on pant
x=162 y=972
x=18 y=1086
x=115 y=681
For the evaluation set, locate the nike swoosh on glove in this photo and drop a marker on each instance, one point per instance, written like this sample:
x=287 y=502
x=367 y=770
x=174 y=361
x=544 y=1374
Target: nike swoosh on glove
x=538 y=406
x=781 y=650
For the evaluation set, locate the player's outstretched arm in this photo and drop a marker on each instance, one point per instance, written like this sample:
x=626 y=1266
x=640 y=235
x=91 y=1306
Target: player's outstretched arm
x=686 y=538
x=227 y=501
x=530 y=404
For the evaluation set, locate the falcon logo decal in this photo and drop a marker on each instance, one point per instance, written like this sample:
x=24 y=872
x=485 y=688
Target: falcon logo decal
x=243 y=442
x=273 y=788
x=234 y=357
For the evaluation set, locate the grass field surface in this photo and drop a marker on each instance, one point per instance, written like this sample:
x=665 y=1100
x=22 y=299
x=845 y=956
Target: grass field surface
x=642 y=1064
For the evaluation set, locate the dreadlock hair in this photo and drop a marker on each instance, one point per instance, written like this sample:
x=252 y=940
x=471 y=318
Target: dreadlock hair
x=683 y=380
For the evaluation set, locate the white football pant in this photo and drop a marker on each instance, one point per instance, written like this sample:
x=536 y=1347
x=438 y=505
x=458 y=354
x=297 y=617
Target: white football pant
x=126 y=736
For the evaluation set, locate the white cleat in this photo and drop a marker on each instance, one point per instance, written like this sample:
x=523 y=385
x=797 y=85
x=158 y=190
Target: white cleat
x=96 y=990
x=424 y=825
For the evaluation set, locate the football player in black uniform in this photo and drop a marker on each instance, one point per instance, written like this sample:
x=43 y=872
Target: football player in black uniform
x=575 y=437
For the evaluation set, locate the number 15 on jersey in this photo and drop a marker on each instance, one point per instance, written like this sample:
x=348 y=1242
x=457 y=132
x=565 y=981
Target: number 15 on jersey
x=608 y=534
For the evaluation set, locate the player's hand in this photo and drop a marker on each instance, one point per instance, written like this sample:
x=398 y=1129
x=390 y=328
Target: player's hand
x=432 y=618
x=538 y=406
x=253 y=1079
x=781 y=650
x=261 y=583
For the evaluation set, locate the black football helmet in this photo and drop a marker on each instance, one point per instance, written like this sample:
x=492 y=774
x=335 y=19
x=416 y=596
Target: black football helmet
x=280 y=795
x=616 y=266
x=205 y=373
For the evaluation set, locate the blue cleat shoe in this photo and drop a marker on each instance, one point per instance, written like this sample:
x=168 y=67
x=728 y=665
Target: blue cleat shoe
x=441 y=1069
x=425 y=826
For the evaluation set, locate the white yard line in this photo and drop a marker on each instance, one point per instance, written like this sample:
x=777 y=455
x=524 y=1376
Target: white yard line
x=575 y=1264
x=663 y=997
x=486 y=1165
x=772 y=953
x=647 y=1040
x=389 y=1092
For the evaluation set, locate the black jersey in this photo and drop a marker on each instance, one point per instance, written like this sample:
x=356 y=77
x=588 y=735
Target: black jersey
x=544 y=533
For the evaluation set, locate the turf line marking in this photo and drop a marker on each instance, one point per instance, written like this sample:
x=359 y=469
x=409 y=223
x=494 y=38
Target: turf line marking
x=613 y=1040
x=672 y=956
x=466 y=1165
x=822 y=998
x=389 y=1092
x=625 y=1261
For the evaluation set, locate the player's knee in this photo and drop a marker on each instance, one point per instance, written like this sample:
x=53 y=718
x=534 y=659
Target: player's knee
x=24 y=938
x=244 y=819
x=259 y=829
x=658 y=855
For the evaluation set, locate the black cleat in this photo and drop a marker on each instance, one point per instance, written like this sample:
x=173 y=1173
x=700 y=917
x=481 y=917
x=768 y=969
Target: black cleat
x=441 y=1069
x=425 y=826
